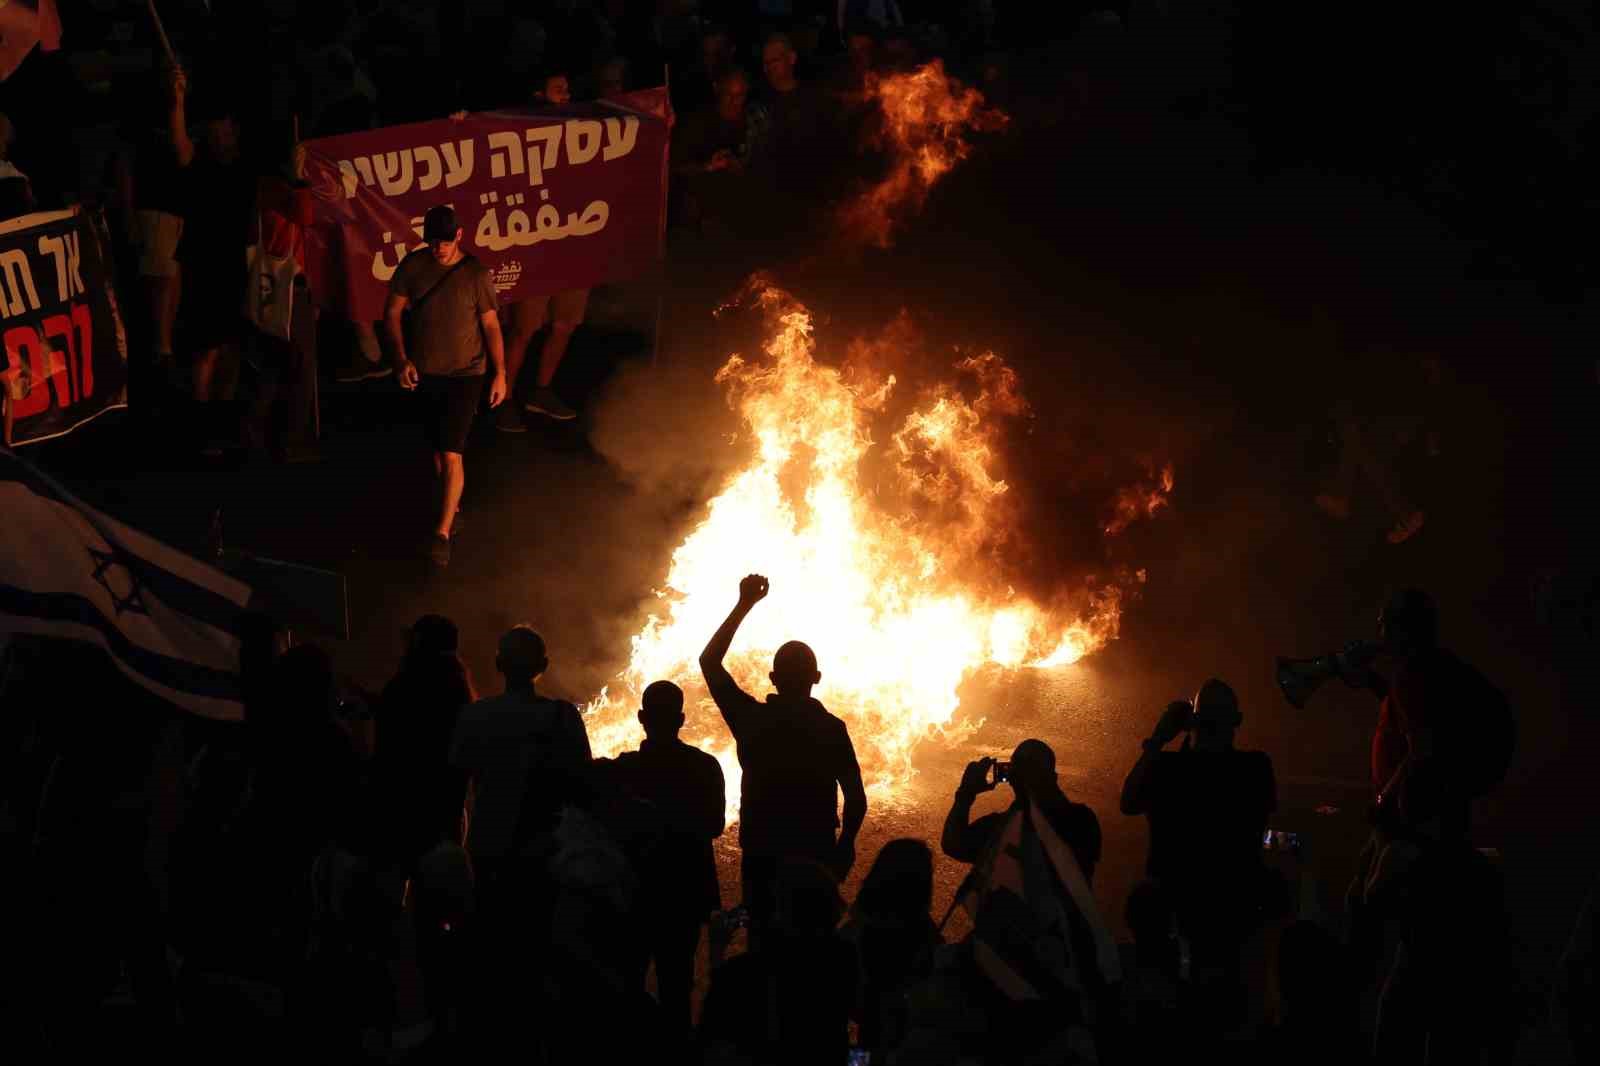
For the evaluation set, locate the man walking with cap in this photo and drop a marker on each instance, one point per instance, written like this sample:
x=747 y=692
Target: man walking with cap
x=440 y=351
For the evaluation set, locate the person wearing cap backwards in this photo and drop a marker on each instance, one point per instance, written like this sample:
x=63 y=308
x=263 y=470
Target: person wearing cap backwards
x=1208 y=805
x=440 y=352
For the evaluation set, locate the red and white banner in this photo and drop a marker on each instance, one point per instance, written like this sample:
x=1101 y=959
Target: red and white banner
x=549 y=199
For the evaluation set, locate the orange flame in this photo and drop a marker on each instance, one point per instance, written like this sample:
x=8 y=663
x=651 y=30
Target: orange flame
x=926 y=118
x=1141 y=500
x=889 y=578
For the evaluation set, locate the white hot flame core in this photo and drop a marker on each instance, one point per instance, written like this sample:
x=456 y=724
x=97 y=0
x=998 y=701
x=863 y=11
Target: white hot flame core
x=888 y=587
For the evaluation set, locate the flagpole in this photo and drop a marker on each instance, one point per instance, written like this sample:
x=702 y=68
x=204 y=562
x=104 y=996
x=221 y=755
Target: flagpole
x=161 y=32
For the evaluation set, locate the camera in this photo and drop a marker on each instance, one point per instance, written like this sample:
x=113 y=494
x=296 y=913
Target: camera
x=1002 y=772
x=1280 y=840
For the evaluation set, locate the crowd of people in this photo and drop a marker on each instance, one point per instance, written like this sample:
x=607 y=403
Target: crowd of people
x=203 y=169
x=424 y=872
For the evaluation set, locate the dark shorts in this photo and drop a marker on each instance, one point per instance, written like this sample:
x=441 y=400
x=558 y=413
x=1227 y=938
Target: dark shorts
x=449 y=406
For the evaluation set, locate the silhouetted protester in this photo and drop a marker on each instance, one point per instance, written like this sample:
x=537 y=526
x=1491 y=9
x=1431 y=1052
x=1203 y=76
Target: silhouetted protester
x=695 y=89
x=796 y=758
x=282 y=419
x=1317 y=1001
x=521 y=752
x=218 y=200
x=1151 y=974
x=439 y=352
x=796 y=110
x=611 y=78
x=1445 y=736
x=308 y=775
x=1448 y=996
x=423 y=793
x=850 y=78
x=789 y=999
x=151 y=174
x=715 y=152
x=894 y=938
x=253 y=916
x=1032 y=777
x=1208 y=806
x=583 y=917
x=1039 y=964
x=678 y=872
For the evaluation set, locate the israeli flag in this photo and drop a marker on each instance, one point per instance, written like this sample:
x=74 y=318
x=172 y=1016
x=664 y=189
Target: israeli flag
x=167 y=620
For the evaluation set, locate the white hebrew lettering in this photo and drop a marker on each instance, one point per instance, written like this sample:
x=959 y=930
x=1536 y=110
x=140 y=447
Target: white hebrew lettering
x=583 y=140
x=621 y=135
x=429 y=170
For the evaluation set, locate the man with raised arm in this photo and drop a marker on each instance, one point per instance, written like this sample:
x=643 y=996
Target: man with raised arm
x=795 y=758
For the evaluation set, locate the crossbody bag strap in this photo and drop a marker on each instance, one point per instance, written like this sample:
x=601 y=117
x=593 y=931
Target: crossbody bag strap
x=417 y=305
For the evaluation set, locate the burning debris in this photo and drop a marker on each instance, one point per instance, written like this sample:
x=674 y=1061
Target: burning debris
x=887 y=558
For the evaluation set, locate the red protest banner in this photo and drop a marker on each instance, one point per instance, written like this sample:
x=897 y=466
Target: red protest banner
x=549 y=199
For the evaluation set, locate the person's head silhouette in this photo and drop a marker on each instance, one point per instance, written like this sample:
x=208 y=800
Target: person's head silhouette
x=1216 y=716
x=1033 y=769
x=522 y=656
x=794 y=670
x=661 y=710
x=900 y=884
x=432 y=634
x=1409 y=622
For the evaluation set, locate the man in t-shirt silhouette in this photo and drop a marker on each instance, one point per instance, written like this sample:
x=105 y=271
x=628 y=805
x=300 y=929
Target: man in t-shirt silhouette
x=444 y=349
x=522 y=753
x=1208 y=805
x=795 y=758
x=683 y=787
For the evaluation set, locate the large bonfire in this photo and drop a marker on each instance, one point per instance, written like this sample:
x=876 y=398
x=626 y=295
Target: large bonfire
x=878 y=512
x=881 y=556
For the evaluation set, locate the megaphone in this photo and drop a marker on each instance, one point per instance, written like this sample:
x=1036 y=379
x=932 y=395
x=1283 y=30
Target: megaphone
x=1299 y=678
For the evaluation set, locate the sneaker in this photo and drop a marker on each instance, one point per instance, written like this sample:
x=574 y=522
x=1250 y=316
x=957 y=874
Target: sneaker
x=439 y=551
x=545 y=402
x=508 y=419
x=360 y=369
x=1406 y=528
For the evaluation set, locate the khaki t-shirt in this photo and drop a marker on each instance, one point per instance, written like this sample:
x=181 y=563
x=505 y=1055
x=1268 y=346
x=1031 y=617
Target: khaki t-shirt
x=444 y=332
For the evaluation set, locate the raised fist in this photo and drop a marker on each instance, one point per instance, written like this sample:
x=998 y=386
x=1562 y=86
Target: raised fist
x=752 y=590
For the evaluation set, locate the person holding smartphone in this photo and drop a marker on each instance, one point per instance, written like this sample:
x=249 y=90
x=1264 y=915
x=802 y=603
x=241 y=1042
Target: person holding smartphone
x=1044 y=961
x=1031 y=773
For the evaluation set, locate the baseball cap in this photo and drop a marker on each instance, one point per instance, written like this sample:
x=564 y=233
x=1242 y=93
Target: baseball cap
x=439 y=224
